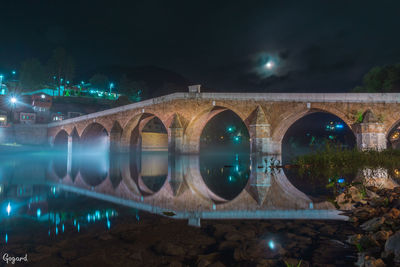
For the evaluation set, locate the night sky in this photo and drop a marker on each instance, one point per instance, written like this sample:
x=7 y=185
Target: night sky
x=317 y=46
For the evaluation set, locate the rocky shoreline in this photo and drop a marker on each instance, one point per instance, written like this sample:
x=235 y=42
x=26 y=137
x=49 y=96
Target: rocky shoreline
x=377 y=212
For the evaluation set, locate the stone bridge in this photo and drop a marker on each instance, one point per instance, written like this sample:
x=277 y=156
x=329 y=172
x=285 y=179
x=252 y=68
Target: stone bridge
x=267 y=117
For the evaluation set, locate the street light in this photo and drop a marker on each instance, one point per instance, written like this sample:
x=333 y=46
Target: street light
x=13 y=101
x=111 y=86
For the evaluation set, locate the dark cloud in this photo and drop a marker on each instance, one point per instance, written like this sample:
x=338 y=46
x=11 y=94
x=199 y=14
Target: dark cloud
x=320 y=45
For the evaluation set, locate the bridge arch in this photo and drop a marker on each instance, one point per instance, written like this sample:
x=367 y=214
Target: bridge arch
x=95 y=137
x=61 y=140
x=93 y=129
x=132 y=134
x=286 y=120
x=393 y=135
x=194 y=129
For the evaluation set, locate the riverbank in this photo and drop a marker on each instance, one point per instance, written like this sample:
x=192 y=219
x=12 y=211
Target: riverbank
x=377 y=214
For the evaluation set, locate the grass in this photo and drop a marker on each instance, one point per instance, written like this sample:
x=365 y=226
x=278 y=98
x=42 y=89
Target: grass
x=359 y=247
x=334 y=157
x=292 y=265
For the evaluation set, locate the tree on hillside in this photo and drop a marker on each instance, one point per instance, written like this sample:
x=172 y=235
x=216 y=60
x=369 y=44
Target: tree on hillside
x=32 y=75
x=381 y=79
x=99 y=81
x=132 y=89
x=61 y=66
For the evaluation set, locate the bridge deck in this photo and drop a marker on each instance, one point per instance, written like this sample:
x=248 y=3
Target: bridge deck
x=268 y=97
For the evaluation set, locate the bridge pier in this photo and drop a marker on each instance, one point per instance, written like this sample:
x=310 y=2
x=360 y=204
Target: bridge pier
x=51 y=141
x=176 y=175
x=260 y=140
x=370 y=133
x=69 y=154
x=175 y=136
x=115 y=143
x=260 y=178
x=260 y=133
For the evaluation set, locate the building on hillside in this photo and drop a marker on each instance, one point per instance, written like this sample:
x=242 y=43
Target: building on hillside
x=3 y=118
x=27 y=117
x=46 y=91
x=3 y=89
x=62 y=111
x=41 y=104
x=23 y=111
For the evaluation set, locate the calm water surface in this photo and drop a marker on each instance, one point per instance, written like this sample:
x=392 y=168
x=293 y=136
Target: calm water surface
x=52 y=192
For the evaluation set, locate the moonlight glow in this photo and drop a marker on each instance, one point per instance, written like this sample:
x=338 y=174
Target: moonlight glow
x=270 y=65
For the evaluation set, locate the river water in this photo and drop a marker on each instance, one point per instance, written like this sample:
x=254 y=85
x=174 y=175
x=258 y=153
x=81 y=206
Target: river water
x=52 y=192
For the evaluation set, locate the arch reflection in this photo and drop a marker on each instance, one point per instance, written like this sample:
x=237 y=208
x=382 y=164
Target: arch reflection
x=153 y=171
x=94 y=168
x=60 y=164
x=226 y=175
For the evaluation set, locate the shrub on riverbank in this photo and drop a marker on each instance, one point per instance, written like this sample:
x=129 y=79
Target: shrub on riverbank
x=334 y=157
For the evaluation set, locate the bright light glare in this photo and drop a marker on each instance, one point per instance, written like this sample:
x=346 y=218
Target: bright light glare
x=43 y=96
x=271 y=244
x=339 y=126
x=13 y=100
x=8 y=209
x=269 y=65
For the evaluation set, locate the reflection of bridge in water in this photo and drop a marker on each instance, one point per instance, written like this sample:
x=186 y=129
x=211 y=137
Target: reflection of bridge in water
x=158 y=183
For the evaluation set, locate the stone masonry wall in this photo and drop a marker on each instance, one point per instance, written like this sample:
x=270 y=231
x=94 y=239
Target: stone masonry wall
x=154 y=141
x=24 y=134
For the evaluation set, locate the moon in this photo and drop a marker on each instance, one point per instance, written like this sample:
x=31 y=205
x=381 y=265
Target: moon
x=270 y=65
